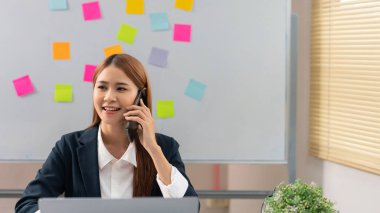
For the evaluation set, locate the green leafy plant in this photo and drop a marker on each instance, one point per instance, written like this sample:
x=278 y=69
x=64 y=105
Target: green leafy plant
x=298 y=197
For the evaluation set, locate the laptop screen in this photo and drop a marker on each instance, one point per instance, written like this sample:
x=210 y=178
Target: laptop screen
x=134 y=205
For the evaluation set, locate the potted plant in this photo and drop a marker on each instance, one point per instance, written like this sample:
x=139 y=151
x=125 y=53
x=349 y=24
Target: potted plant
x=298 y=197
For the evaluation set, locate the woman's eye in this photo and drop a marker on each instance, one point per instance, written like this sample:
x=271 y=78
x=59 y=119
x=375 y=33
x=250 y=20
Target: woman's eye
x=101 y=87
x=121 y=89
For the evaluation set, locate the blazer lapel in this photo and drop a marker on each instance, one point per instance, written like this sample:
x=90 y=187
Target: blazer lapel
x=88 y=162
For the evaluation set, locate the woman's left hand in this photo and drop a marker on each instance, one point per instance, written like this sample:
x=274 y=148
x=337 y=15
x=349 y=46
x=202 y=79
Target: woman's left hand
x=146 y=130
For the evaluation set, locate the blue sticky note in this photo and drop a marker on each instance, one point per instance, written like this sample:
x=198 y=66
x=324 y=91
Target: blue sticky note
x=58 y=4
x=158 y=57
x=159 y=21
x=195 y=90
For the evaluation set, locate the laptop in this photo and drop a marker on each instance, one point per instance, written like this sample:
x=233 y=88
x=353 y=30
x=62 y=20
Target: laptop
x=134 y=205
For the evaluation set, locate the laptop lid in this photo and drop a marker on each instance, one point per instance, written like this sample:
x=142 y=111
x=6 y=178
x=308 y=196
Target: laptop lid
x=134 y=205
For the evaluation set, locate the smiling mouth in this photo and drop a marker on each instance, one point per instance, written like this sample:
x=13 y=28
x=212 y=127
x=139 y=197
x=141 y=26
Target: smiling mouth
x=111 y=109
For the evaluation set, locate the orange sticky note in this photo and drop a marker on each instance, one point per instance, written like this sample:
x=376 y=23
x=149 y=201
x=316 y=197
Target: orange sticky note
x=115 y=49
x=184 y=4
x=61 y=50
x=135 y=7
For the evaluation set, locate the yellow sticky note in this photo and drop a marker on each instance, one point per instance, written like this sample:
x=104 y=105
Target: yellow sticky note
x=165 y=109
x=61 y=50
x=184 y=4
x=135 y=7
x=63 y=93
x=115 y=49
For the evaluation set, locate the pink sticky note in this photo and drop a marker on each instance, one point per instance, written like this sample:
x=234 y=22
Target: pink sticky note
x=89 y=71
x=182 y=32
x=23 y=85
x=91 y=11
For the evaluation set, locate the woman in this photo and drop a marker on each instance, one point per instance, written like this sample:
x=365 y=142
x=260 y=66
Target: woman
x=106 y=160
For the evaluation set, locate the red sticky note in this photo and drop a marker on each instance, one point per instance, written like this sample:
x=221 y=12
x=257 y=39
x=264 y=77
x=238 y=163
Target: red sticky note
x=91 y=11
x=23 y=85
x=182 y=32
x=89 y=71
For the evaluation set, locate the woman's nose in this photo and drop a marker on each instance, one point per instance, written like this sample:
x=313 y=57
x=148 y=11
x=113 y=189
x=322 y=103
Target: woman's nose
x=110 y=96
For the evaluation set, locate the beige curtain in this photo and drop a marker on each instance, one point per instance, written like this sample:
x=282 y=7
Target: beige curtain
x=345 y=83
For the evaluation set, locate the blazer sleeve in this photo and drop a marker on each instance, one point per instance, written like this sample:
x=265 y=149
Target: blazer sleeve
x=175 y=159
x=49 y=182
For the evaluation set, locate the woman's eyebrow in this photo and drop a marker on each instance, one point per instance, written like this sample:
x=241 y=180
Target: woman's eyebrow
x=117 y=83
x=122 y=84
x=102 y=82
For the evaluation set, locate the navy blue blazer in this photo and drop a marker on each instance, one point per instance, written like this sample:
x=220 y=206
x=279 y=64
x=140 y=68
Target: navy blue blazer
x=72 y=168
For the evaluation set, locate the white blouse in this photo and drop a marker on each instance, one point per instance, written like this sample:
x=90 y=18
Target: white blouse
x=116 y=175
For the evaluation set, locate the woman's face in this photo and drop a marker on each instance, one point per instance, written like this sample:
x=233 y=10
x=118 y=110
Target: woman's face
x=113 y=92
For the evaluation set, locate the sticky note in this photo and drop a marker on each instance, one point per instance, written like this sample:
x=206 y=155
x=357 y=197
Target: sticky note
x=58 y=4
x=158 y=57
x=165 y=108
x=23 y=85
x=184 y=4
x=195 y=89
x=63 y=93
x=115 y=49
x=89 y=71
x=159 y=21
x=127 y=33
x=182 y=32
x=61 y=50
x=91 y=11
x=135 y=7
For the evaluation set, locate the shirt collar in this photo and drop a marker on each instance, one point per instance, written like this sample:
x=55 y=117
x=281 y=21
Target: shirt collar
x=104 y=157
x=130 y=154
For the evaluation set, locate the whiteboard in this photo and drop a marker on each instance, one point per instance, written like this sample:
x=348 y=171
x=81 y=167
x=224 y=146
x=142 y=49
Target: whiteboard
x=239 y=49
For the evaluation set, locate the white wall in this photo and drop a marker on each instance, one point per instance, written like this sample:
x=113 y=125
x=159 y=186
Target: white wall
x=352 y=190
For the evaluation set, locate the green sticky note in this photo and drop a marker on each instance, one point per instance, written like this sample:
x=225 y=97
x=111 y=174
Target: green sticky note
x=127 y=33
x=165 y=109
x=63 y=93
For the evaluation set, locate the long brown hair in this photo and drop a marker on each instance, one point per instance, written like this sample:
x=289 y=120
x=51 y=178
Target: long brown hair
x=145 y=173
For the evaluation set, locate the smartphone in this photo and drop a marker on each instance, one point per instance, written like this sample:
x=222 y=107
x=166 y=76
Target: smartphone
x=132 y=125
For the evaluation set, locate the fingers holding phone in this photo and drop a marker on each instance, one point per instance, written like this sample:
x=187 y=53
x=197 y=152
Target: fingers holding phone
x=137 y=114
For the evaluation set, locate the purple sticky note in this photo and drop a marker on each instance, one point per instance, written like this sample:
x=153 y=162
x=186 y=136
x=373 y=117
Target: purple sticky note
x=158 y=57
x=182 y=32
x=91 y=11
x=89 y=71
x=23 y=85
